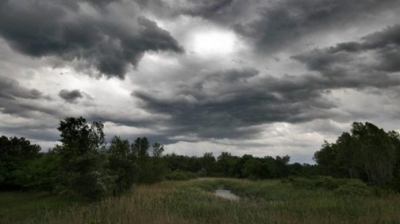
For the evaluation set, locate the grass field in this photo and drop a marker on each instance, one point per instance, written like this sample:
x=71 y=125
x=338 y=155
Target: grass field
x=193 y=202
x=21 y=205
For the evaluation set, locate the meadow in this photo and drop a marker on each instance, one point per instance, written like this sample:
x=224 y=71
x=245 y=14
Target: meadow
x=193 y=201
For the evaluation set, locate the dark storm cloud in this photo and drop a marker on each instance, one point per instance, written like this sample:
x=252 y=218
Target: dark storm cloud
x=100 y=3
x=17 y=99
x=60 y=28
x=283 y=23
x=71 y=96
x=226 y=12
x=25 y=109
x=232 y=107
x=372 y=62
x=230 y=104
x=207 y=8
x=11 y=89
x=37 y=133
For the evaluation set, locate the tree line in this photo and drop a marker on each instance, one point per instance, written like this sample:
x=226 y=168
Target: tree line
x=83 y=165
x=367 y=153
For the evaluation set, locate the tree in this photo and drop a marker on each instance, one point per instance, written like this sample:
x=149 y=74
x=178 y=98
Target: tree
x=82 y=158
x=158 y=167
x=121 y=164
x=208 y=163
x=140 y=149
x=376 y=151
x=226 y=163
x=43 y=173
x=367 y=153
x=15 y=156
x=326 y=158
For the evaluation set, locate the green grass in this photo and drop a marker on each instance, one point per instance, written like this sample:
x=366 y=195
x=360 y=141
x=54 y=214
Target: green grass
x=193 y=202
x=19 y=205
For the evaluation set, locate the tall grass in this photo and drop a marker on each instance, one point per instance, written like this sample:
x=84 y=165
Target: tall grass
x=261 y=202
x=17 y=205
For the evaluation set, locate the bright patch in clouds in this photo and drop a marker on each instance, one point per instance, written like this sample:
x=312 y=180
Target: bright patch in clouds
x=214 y=42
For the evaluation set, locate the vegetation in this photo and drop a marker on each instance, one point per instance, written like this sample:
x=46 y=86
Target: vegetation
x=269 y=201
x=367 y=153
x=82 y=166
x=19 y=206
x=356 y=180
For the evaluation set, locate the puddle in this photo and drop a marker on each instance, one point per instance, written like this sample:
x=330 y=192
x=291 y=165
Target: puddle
x=227 y=194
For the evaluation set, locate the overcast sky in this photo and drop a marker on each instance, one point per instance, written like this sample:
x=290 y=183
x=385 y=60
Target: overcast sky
x=247 y=77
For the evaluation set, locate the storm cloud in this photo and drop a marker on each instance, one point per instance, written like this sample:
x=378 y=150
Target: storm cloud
x=230 y=104
x=283 y=23
x=11 y=89
x=257 y=77
x=98 y=37
x=371 y=62
x=71 y=96
x=17 y=99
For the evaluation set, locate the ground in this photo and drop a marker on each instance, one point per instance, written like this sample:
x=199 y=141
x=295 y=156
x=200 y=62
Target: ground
x=175 y=202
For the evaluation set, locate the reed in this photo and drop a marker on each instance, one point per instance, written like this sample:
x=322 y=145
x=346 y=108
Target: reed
x=193 y=202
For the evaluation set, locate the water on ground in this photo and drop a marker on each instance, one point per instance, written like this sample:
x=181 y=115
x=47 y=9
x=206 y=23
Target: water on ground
x=227 y=194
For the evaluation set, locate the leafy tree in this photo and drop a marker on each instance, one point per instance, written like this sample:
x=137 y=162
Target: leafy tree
x=82 y=158
x=183 y=163
x=121 y=164
x=158 y=167
x=281 y=164
x=140 y=149
x=208 y=163
x=376 y=152
x=226 y=163
x=367 y=153
x=43 y=173
x=15 y=156
x=254 y=168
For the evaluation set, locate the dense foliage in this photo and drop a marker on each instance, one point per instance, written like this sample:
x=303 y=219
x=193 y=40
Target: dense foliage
x=367 y=153
x=16 y=154
x=84 y=166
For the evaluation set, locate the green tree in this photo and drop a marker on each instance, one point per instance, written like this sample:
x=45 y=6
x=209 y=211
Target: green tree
x=367 y=153
x=158 y=167
x=43 y=173
x=82 y=158
x=15 y=156
x=121 y=164
x=140 y=149
x=208 y=163
x=376 y=151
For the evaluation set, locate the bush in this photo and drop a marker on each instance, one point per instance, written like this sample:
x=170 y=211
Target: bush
x=353 y=188
x=180 y=175
x=319 y=182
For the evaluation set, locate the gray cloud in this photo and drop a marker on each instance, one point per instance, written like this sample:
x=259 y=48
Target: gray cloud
x=283 y=23
x=194 y=97
x=17 y=99
x=71 y=96
x=232 y=103
x=372 y=62
x=206 y=8
x=226 y=12
x=70 y=31
x=11 y=89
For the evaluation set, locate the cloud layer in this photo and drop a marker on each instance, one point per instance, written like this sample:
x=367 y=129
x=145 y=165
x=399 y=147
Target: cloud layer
x=94 y=34
x=287 y=75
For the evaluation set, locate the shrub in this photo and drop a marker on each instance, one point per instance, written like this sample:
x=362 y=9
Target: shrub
x=180 y=175
x=353 y=188
x=321 y=182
